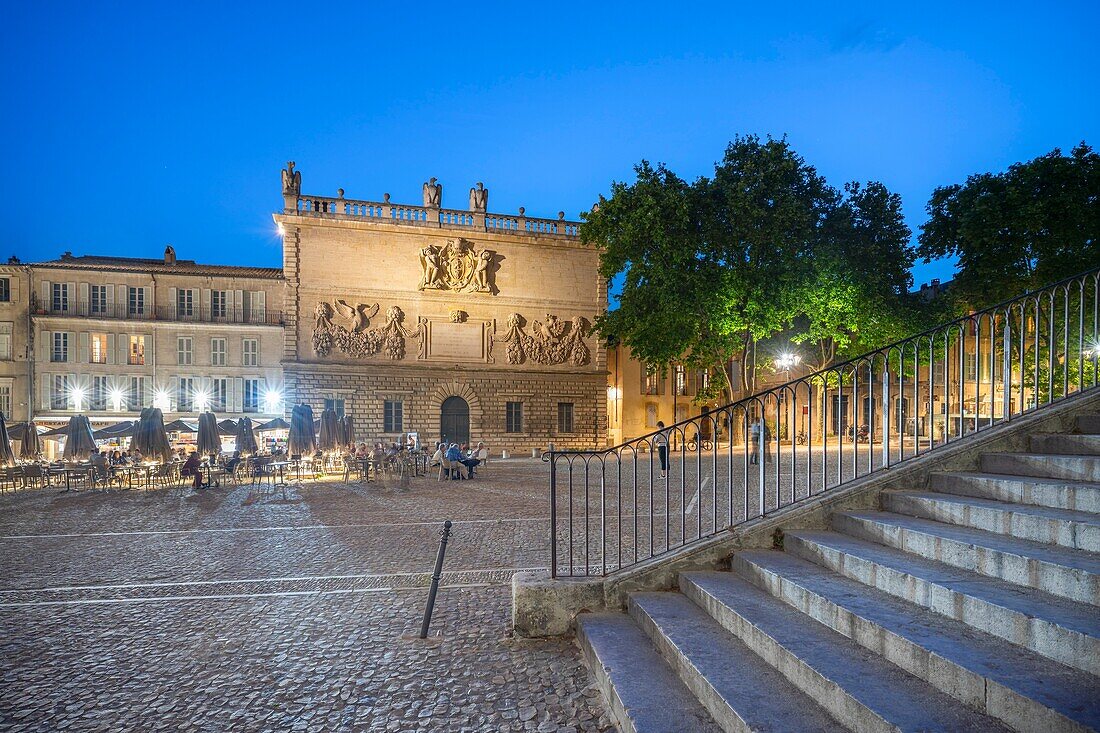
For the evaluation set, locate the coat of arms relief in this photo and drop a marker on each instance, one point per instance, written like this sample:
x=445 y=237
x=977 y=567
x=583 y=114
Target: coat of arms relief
x=458 y=266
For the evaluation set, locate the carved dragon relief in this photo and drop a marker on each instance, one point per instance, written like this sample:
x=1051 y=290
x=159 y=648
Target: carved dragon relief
x=360 y=340
x=553 y=342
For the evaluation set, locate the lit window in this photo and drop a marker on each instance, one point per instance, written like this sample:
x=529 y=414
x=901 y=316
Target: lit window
x=97 y=348
x=137 y=350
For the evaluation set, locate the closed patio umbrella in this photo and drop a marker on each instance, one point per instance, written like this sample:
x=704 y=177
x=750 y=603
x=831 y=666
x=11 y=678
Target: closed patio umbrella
x=179 y=426
x=303 y=441
x=328 y=438
x=348 y=426
x=7 y=457
x=209 y=442
x=29 y=447
x=124 y=429
x=275 y=424
x=150 y=438
x=246 y=439
x=79 y=443
x=227 y=427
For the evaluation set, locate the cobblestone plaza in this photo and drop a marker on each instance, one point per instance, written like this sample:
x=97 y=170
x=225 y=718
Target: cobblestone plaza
x=236 y=610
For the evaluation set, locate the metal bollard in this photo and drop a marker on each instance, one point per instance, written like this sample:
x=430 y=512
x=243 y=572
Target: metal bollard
x=435 y=578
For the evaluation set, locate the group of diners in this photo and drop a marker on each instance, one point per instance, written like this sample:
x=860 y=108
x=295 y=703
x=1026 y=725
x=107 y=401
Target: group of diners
x=451 y=457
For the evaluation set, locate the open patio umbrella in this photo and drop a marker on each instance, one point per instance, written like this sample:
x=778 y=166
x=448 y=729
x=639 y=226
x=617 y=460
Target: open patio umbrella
x=7 y=457
x=56 y=433
x=246 y=440
x=124 y=429
x=329 y=433
x=179 y=426
x=227 y=427
x=79 y=443
x=348 y=430
x=150 y=438
x=29 y=447
x=209 y=442
x=303 y=440
x=276 y=424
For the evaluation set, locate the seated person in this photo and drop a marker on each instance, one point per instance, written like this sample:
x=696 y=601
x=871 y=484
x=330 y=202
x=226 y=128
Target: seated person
x=455 y=455
x=233 y=461
x=437 y=457
x=191 y=468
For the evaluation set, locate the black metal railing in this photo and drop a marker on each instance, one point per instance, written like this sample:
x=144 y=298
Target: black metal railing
x=613 y=508
x=196 y=314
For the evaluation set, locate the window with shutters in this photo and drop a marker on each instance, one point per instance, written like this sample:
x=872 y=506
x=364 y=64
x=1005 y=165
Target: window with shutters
x=219 y=303
x=135 y=300
x=5 y=399
x=679 y=375
x=217 y=352
x=5 y=297
x=99 y=393
x=97 y=299
x=185 y=303
x=135 y=395
x=250 y=401
x=60 y=351
x=97 y=348
x=183 y=350
x=59 y=392
x=219 y=394
x=137 y=350
x=5 y=341
x=971 y=367
x=652 y=380
x=565 y=417
x=60 y=299
x=250 y=348
x=393 y=416
x=336 y=404
x=513 y=417
x=185 y=394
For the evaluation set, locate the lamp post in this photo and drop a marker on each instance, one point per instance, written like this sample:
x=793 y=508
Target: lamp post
x=785 y=362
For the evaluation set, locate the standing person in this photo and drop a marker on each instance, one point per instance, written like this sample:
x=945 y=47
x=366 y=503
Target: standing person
x=661 y=441
x=754 y=441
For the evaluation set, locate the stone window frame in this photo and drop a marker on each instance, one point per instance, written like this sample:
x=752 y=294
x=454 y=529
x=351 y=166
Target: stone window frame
x=5 y=289
x=571 y=428
x=7 y=386
x=250 y=357
x=219 y=357
x=509 y=426
x=185 y=356
x=393 y=421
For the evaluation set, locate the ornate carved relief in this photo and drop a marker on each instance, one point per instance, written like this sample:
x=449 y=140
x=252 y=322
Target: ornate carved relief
x=553 y=342
x=458 y=266
x=359 y=341
x=458 y=316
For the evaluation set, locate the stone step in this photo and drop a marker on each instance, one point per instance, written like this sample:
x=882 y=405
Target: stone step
x=643 y=694
x=1055 y=493
x=1088 y=424
x=1076 y=530
x=738 y=688
x=1061 y=630
x=1071 y=574
x=1074 y=468
x=1066 y=444
x=858 y=687
x=1016 y=686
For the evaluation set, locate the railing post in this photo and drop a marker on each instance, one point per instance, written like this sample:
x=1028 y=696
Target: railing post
x=553 y=513
x=760 y=455
x=1006 y=372
x=436 y=574
x=885 y=418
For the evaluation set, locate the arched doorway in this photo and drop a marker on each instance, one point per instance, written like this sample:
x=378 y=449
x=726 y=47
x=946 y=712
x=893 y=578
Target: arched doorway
x=454 y=420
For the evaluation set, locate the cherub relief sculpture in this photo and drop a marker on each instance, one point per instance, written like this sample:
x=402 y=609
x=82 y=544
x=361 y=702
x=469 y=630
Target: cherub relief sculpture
x=360 y=341
x=552 y=342
x=433 y=194
x=457 y=266
x=479 y=198
x=292 y=180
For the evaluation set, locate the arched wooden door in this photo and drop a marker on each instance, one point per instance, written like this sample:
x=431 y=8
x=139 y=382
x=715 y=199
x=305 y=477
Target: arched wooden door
x=454 y=420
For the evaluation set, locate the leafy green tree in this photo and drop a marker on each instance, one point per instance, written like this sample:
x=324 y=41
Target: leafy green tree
x=1034 y=224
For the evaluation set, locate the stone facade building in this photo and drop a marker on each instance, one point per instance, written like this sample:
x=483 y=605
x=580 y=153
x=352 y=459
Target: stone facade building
x=110 y=335
x=448 y=323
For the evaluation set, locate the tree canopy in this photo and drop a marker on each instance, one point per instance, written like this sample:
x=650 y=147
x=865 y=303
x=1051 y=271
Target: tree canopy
x=1034 y=224
x=711 y=265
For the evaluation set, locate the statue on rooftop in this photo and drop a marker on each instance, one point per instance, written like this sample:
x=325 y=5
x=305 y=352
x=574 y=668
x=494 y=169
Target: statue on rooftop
x=433 y=194
x=479 y=198
x=292 y=180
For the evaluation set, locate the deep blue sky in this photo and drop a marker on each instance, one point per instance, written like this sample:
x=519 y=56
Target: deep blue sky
x=127 y=127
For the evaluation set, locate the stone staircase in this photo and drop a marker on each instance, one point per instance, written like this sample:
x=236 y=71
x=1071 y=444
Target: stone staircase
x=969 y=606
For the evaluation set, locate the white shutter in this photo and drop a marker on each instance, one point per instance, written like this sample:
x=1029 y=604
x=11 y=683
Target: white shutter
x=82 y=304
x=173 y=302
x=238 y=394
x=238 y=306
x=14 y=285
x=123 y=348
x=150 y=349
x=44 y=391
x=72 y=297
x=147 y=300
x=259 y=305
x=46 y=344
x=83 y=336
x=147 y=392
x=110 y=299
x=111 y=353
x=70 y=353
x=173 y=391
x=123 y=300
x=44 y=295
x=206 y=303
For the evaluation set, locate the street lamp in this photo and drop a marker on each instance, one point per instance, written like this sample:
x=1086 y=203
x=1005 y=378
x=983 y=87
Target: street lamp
x=116 y=399
x=162 y=401
x=77 y=393
x=273 y=398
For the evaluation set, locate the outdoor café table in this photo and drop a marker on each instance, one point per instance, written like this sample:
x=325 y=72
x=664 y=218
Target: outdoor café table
x=68 y=472
x=213 y=474
x=277 y=470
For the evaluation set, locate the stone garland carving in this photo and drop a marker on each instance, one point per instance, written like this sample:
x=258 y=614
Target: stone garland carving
x=458 y=266
x=359 y=341
x=553 y=342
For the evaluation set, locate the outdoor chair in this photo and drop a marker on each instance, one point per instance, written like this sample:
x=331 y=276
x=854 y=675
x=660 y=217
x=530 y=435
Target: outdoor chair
x=33 y=475
x=102 y=476
x=9 y=477
x=483 y=456
x=352 y=467
x=447 y=468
